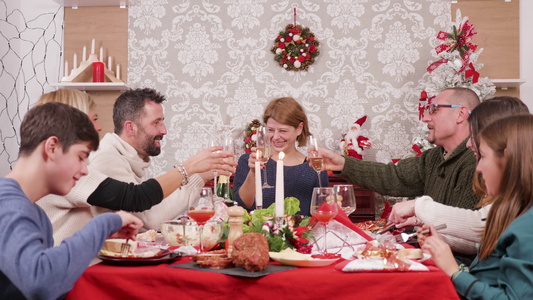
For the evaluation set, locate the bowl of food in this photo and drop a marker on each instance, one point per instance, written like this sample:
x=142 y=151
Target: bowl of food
x=187 y=233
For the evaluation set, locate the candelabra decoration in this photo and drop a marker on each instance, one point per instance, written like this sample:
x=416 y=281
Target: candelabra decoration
x=91 y=68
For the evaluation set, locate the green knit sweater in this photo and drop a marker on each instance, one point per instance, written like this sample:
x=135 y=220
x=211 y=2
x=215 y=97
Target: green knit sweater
x=446 y=181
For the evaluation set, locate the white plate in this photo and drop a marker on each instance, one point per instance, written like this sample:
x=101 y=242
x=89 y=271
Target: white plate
x=311 y=262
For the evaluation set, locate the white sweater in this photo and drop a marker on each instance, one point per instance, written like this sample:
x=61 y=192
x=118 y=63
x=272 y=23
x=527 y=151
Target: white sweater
x=463 y=226
x=119 y=160
x=116 y=159
x=70 y=213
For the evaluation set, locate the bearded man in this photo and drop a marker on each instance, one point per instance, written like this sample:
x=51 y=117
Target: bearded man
x=125 y=154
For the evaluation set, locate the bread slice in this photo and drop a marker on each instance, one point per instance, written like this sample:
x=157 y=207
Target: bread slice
x=410 y=253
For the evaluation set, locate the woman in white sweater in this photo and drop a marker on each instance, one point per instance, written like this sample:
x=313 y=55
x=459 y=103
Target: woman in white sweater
x=464 y=226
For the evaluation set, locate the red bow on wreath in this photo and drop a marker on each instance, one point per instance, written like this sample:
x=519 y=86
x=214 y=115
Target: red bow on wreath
x=459 y=39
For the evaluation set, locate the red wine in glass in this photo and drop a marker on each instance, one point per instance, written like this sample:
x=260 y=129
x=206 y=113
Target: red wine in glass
x=324 y=215
x=324 y=208
x=201 y=216
x=201 y=209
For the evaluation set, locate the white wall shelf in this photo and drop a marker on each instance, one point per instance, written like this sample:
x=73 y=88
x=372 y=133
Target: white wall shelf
x=504 y=84
x=80 y=3
x=93 y=86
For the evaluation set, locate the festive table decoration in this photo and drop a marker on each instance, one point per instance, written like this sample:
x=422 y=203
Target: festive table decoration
x=456 y=66
x=294 y=234
x=250 y=135
x=295 y=48
x=352 y=143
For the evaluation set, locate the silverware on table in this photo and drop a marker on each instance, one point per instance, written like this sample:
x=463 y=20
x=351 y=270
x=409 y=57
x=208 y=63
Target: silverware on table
x=404 y=237
x=125 y=248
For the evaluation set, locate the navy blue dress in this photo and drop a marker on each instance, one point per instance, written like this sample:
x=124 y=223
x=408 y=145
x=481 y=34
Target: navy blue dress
x=299 y=183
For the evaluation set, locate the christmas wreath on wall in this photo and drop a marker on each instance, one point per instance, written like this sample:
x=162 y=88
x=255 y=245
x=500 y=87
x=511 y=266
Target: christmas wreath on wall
x=295 y=48
x=250 y=135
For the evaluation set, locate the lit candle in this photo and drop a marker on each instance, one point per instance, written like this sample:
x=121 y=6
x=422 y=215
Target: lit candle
x=84 y=57
x=258 y=188
x=109 y=63
x=101 y=54
x=66 y=68
x=75 y=63
x=92 y=47
x=118 y=71
x=280 y=191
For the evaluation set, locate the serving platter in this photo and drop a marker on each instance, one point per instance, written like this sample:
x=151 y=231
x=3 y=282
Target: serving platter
x=300 y=262
x=163 y=257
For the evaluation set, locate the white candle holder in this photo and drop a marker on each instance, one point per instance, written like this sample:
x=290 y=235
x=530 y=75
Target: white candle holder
x=280 y=222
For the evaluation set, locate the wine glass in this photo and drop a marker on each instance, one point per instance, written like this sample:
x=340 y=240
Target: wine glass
x=201 y=208
x=324 y=208
x=263 y=145
x=345 y=197
x=315 y=157
x=213 y=141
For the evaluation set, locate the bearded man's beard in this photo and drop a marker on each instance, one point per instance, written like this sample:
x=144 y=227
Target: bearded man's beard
x=151 y=148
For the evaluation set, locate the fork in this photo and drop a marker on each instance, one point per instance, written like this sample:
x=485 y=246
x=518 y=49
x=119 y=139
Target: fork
x=403 y=237
x=125 y=248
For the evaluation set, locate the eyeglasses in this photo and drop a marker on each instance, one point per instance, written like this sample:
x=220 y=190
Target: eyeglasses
x=432 y=108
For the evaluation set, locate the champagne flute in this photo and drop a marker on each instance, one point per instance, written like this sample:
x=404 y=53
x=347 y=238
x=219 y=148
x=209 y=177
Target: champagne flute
x=315 y=157
x=263 y=145
x=345 y=197
x=230 y=145
x=201 y=208
x=213 y=141
x=324 y=208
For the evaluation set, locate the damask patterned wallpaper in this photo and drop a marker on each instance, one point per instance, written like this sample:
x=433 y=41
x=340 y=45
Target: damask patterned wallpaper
x=212 y=60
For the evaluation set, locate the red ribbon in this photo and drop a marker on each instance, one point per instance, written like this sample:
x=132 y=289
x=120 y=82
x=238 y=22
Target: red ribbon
x=460 y=40
x=417 y=149
x=436 y=64
x=472 y=73
x=421 y=109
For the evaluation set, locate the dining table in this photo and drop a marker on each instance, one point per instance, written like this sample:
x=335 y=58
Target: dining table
x=180 y=278
x=164 y=281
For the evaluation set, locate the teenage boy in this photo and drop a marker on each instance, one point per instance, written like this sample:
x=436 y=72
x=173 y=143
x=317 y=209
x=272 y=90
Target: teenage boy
x=56 y=140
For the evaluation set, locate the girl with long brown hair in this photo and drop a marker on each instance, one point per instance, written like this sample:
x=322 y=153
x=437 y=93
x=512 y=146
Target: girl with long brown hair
x=504 y=265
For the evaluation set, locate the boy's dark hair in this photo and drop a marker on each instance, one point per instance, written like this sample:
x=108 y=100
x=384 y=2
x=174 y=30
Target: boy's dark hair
x=130 y=106
x=68 y=124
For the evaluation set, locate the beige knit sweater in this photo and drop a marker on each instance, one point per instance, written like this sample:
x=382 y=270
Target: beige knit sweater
x=463 y=226
x=116 y=159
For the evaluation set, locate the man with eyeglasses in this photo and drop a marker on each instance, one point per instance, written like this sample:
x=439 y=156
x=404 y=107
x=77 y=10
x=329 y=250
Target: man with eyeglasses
x=444 y=173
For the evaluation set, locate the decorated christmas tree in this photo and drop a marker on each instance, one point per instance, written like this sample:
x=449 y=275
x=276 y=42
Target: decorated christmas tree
x=455 y=67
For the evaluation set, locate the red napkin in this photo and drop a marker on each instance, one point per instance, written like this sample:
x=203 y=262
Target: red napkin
x=342 y=218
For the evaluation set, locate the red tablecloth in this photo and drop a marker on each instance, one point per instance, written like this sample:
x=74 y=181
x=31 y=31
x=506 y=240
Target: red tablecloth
x=163 y=282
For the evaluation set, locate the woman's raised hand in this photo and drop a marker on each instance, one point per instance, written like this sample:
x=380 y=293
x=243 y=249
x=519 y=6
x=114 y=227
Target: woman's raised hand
x=253 y=158
x=440 y=251
x=212 y=158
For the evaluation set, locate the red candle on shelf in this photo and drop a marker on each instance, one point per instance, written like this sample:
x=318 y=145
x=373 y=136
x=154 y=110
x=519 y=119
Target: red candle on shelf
x=98 y=71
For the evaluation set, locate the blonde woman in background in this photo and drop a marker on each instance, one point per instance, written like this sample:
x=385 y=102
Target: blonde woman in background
x=74 y=98
x=97 y=193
